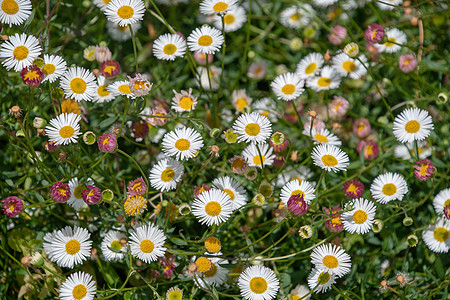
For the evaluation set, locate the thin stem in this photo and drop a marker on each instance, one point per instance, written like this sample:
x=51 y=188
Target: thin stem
x=134 y=48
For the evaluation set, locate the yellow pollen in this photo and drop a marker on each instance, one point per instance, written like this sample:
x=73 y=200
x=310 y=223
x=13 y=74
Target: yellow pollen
x=407 y=62
x=203 y=264
x=241 y=103
x=389 y=189
x=252 y=129
x=213 y=245
x=288 y=89
x=91 y=193
x=79 y=292
x=147 y=246
x=324 y=81
x=361 y=126
x=336 y=222
x=135 y=205
x=136 y=186
x=229 y=193
x=229 y=19
x=109 y=70
x=264 y=114
x=220 y=6
x=62 y=192
x=213 y=208
x=298 y=192
x=31 y=75
x=352 y=188
x=441 y=234
x=72 y=247
x=211 y=272
x=412 y=126
x=105 y=141
x=336 y=107
x=360 y=216
x=169 y=49
x=167 y=175
x=369 y=150
x=330 y=261
x=102 y=91
x=205 y=40
x=295 y=17
x=20 y=52
x=423 y=170
x=186 y=103
x=311 y=68
x=12 y=208
x=117 y=245
x=329 y=160
x=78 y=85
x=391 y=42
x=66 y=132
x=321 y=138
x=258 y=285
x=125 y=89
x=182 y=144
x=257 y=159
x=349 y=66
x=125 y=12
x=10 y=7
x=374 y=34
x=48 y=69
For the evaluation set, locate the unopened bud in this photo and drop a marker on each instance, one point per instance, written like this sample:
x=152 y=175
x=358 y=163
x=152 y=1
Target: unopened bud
x=123 y=241
x=327 y=56
x=414 y=21
x=215 y=133
x=39 y=123
x=351 y=49
x=305 y=232
x=312 y=114
x=377 y=225
x=107 y=195
x=89 y=138
x=412 y=240
x=408 y=221
x=164 y=203
x=259 y=200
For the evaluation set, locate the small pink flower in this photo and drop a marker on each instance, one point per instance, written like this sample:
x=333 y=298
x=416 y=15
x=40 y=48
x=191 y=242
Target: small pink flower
x=297 y=205
x=201 y=58
x=257 y=70
x=32 y=76
x=200 y=189
x=137 y=187
x=139 y=129
x=107 y=143
x=279 y=160
x=353 y=189
x=168 y=264
x=158 y=112
x=102 y=54
x=334 y=224
x=278 y=141
x=338 y=107
x=361 y=127
x=139 y=85
x=318 y=125
x=374 y=33
x=424 y=169
x=12 y=206
x=110 y=68
x=91 y=194
x=447 y=211
x=60 y=192
x=51 y=147
x=338 y=35
x=407 y=63
x=371 y=149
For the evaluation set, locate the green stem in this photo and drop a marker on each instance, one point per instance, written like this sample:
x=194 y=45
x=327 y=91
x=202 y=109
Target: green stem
x=322 y=175
x=137 y=165
x=134 y=48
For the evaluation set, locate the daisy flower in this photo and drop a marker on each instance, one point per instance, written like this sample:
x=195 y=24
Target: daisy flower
x=184 y=101
x=253 y=128
x=64 y=129
x=395 y=39
x=288 y=86
x=412 y=124
x=212 y=207
x=112 y=240
x=206 y=40
x=12 y=206
x=217 y=274
x=353 y=189
x=102 y=94
x=304 y=189
x=78 y=285
x=121 y=33
x=329 y=79
x=169 y=46
x=310 y=65
x=146 y=242
x=388 y=187
x=125 y=12
x=54 y=67
x=253 y=158
x=165 y=175
x=210 y=7
x=208 y=80
x=233 y=19
x=332 y=259
x=320 y=280
x=436 y=237
x=389 y=4
x=350 y=67
x=20 y=51
x=15 y=12
x=298 y=173
x=323 y=136
x=338 y=107
x=258 y=282
x=183 y=143
x=240 y=100
x=324 y=3
x=296 y=16
x=267 y=108
x=406 y=151
x=101 y=4
x=76 y=198
x=78 y=84
x=121 y=87
x=360 y=219
x=330 y=158
x=441 y=201
x=68 y=247
x=300 y=292
x=233 y=189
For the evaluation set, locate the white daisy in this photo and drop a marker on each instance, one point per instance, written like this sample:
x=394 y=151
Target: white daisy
x=296 y=16
x=233 y=20
x=328 y=79
x=324 y=3
x=64 y=129
x=288 y=86
x=102 y=94
x=347 y=66
x=412 y=124
x=101 y=4
x=233 y=189
x=240 y=100
x=121 y=87
x=360 y=218
x=332 y=259
x=212 y=207
x=165 y=175
x=183 y=143
x=388 y=187
x=267 y=108
x=14 y=12
x=205 y=39
x=298 y=173
x=310 y=65
x=209 y=81
x=112 y=240
x=294 y=187
x=330 y=158
x=320 y=280
x=121 y=33
x=389 y=4
x=436 y=237
x=254 y=159
x=441 y=200
x=253 y=128
x=20 y=51
x=79 y=286
x=184 y=101
x=216 y=276
x=210 y=7
x=76 y=199
x=258 y=283
x=146 y=242
x=301 y=292
x=54 y=67
x=124 y=12
x=78 y=84
x=394 y=40
x=68 y=247
x=169 y=46
x=323 y=136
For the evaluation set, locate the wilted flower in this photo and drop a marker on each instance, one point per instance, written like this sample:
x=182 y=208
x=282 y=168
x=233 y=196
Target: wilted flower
x=12 y=206
x=102 y=54
x=374 y=33
x=371 y=149
x=91 y=194
x=424 y=169
x=279 y=161
x=89 y=53
x=51 y=146
x=338 y=107
x=297 y=205
x=32 y=76
x=157 y=120
x=139 y=85
x=139 y=129
x=110 y=68
x=407 y=63
x=338 y=35
x=60 y=192
x=15 y=111
x=334 y=224
x=361 y=127
x=200 y=189
x=353 y=189
x=137 y=187
x=107 y=143
x=402 y=278
x=239 y=164
x=135 y=205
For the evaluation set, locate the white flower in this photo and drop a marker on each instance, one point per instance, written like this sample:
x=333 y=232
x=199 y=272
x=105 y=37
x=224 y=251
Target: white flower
x=258 y=283
x=406 y=151
x=102 y=94
x=183 y=101
x=389 y=4
x=320 y=280
x=209 y=81
x=240 y=100
x=328 y=79
x=183 y=143
x=350 y=67
x=233 y=189
x=121 y=87
x=54 y=67
x=395 y=39
x=125 y=12
x=298 y=173
x=76 y=199
x=146 y=242
x=323 y=136
x=210 y=7
x=253 y=156
x=212 y=207
x=78 y=84
x=121 y=33
x=296 y=16
x=253 y=128
x=206 y=40
x=441 y=200
x=233 y=19
x=388 y=187
x=15 y=12
x=169 y=46
x=436 y=237
x=112 y=240
x=165 y=175
x=310 y=65
x=330 y=158
x=360 y=218
x=216 y=276
x=412 y=124
x=332 y=259
x=301 y=292
x=79 y=286
x=64 y=129
x=324 y=3
x=267 y=108
x=288 y=86
x=20 y=51
x=294 y=187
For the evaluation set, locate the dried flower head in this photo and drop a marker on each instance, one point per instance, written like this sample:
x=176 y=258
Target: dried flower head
x=135 y=205
x=297 y=205
x=15 y=111
x=353 y=189
x=110 y=68
x=107 y=143
x=239 y=164
x=334 y=222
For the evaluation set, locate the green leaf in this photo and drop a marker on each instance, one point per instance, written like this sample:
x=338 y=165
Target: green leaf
x=439 y=268
x=107 y=122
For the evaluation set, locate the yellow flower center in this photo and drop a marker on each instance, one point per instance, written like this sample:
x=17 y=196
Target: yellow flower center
x=212 y=244
x=167 y=175
x=72 y=247
x=295 y=17
x=447 y=202
x=336 y=107
x=257 y=159
x=125 y=89
x=336 y=222
x=125 y=12
x=78 y=190
x=20 y=52
x=63 y=192
x=323 y=278
x=79 y=291
x=109 y=70
x=241 y=103
x=391 y=42
x=298 y=192
x=352 y=188
x=369 y=150
x=48 y=69
x=406 y=62
x=66 y=132
x=288 y=89
x=186 y=103
x=203 y=264
x=441 y=234
x=329 y=160
x=359 y=216
x=252 y=129
x=258 y=285
x=102 y=91
x=213 y=208
x=105 y=141
x=147 y=246
x=321 y=138
x=106 y=1
x=295 y=297
x=423 y=169
x=169 y=49
x=117 y=245
x=135 y=205
x=205 y=40
x=264 y=114
x=10 y=7
x=211 y=272
x=182 y=144
x=238 y=164
x=229 y=193
x=78 y=85
x=389 y=189
x=31 y=75
x=175 y=295
x=311 y=68
x=324 y=81
x=220 y=6
x=229 y=19
x=412 y=126
x=12 y=208
x=136 y=186
x=330 y=261
x=349 y=66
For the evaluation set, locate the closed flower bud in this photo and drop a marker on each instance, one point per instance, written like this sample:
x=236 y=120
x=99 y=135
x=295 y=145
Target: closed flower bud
x=89 y=138
x=407 y=221
x=39 y=123
x=305 y=232
x=214 y=133
x=412 y=240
